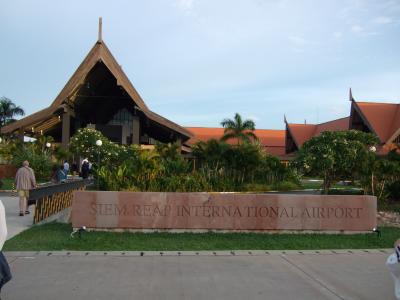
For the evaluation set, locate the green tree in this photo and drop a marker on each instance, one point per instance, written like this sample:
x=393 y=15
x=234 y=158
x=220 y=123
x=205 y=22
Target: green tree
x=40 y=162
x=8 y=110
x=380 y=176
x=41 y=141
x=211 y=154
x=238 y=129
x=336 y=155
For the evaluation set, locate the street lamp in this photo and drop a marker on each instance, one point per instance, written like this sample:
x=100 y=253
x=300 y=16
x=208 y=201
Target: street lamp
x=373 y=150
x=98 y=144
x=48 y=145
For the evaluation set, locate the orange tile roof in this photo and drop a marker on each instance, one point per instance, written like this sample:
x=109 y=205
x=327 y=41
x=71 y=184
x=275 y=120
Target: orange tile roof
x=384 y=118
x=275 y=151
x=301 y=133
x=386 y=148
x=273 y=141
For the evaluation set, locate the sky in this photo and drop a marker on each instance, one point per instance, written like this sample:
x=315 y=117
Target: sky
x=197 y=62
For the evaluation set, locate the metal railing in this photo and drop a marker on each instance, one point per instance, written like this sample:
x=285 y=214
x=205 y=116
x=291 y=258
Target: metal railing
x=50 y=199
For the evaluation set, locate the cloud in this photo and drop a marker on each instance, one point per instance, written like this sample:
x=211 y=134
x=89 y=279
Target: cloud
x=337 y=34
x=185 y=5
x=361 y=31
x=357 y=29
x=298 y=40
x=339 y=109
x=254 y=118
x=382 y=20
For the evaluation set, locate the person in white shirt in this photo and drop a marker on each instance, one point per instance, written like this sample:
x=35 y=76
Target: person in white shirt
x=5 y=274
x=393 y=264
x=3 y=225
x=66 y=167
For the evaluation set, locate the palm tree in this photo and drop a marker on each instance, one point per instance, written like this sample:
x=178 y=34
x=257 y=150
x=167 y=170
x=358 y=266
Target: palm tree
x=8 y=110
x=238 y=129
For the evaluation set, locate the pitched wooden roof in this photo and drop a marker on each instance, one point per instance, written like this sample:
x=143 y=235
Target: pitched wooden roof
x=383 y=119
x=99 y=52
x=301 y=133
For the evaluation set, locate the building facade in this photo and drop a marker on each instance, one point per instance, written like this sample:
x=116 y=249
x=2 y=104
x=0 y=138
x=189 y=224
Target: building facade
x=99 y=95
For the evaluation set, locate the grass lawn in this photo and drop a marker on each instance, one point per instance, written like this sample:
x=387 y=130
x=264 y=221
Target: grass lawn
x=56 y=236
x=317 y=184
x=310 y=184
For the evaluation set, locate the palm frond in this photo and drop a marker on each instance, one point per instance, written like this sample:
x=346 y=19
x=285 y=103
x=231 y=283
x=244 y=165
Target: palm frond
x=238 y=120
x=228 y=136
x=18 y=111
x=252 y=135
x=249 y=125
x=228 y=123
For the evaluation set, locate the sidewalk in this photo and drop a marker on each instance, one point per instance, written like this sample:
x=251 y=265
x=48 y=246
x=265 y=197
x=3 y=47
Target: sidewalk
x=341 y=274
x=15 y=223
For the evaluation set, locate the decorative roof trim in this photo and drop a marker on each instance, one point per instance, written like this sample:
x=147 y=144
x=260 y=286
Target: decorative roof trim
x=363 y=117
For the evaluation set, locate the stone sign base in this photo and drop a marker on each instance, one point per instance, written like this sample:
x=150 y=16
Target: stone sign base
x=223 y=211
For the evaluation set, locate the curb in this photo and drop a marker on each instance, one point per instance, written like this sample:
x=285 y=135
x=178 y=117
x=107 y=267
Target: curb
x=30 y=254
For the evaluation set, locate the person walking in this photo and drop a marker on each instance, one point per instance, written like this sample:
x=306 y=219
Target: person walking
x=24 y=181
x=5 y=273
x=393 y=264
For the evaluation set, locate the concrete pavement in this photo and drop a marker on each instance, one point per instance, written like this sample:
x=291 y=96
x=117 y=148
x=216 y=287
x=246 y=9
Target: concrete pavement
x=15 y=223
x=354 y=274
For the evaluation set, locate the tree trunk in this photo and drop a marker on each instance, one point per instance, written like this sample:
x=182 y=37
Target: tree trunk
x=327 y=184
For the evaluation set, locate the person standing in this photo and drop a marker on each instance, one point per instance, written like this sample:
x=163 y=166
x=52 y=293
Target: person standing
x=66 y=167
x=24 y=181
x=74 y=169
x=85 y=169
x=61 y=174
x=5 y=274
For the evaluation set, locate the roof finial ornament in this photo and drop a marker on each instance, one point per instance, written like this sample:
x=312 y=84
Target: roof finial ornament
x=351 y=96
x=284 y=118
x=100 y=39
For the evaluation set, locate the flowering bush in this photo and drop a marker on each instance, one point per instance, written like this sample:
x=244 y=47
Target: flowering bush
x=83 y=143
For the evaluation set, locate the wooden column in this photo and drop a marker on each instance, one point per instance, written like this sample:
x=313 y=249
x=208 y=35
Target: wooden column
x=179 y=143
x=125 y=133
x=66 y=125
x=136 y=130
x=21 y=134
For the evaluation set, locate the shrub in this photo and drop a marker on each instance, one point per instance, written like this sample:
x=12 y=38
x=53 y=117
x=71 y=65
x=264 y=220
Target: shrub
x=39 y=162
x=7 y=149
x=256 y=187
x=394 y=190
x=345 y=192
x=220 y=167
x=285 y=186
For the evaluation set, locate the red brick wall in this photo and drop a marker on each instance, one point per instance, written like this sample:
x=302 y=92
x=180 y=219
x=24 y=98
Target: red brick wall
x=7 y=171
